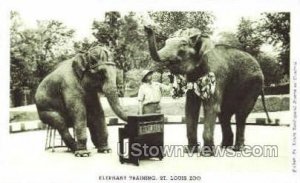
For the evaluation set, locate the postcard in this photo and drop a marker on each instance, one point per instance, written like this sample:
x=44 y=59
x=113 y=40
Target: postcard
x=149 y=91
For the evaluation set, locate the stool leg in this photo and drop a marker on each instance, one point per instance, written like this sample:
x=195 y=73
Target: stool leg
x=61 y=141
x=55 y=138
x=51 y=139
x=53 y=143
x=47 y=137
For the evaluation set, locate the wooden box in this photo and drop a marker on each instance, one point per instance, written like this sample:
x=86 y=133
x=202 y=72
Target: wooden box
x=142 y=138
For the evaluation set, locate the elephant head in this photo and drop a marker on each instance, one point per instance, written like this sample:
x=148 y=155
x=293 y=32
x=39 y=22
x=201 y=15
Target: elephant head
x=184 y=51
x=96 y=71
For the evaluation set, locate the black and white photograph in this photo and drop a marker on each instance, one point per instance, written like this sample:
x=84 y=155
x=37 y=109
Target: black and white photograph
x=149 y=91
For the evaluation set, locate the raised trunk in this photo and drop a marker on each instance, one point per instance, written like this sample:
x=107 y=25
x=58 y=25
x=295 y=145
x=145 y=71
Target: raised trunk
x=152 y=44
x=113 y=100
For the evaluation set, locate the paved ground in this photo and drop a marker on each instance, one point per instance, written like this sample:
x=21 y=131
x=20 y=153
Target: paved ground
x=27 y=161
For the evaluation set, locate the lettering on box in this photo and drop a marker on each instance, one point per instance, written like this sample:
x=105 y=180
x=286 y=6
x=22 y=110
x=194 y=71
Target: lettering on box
x=150 y=128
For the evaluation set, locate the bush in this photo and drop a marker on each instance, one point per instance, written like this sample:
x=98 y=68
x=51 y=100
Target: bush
x=272 y=70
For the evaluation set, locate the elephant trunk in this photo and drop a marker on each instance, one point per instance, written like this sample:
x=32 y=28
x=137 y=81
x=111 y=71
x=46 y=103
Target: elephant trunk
x=113 y=100
x=152 y=44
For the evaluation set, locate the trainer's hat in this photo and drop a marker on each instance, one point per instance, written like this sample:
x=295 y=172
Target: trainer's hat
x=146 y=73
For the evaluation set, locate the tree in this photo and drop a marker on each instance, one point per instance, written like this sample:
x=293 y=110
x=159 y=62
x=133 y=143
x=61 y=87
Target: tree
x=107 y=33
x=35 y=51
x=83 y=46
x=20 y=69
x=53 y=40
x=249 y=36
x=273 y=71
x=125 y=39
x=275 y=28
x=170 y=22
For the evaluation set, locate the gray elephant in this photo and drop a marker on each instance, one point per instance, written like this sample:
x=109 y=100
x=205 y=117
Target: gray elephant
x=67 y=97
x=238 y=83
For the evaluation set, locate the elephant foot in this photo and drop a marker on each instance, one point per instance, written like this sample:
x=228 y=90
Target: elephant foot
x=238 y=147
x=191 y=149
x=82 y=153
x=208 y=151
x=104 y=149
x=69 y=141
x=72 y=147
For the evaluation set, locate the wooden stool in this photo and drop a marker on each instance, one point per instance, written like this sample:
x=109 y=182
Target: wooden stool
x=53 y=139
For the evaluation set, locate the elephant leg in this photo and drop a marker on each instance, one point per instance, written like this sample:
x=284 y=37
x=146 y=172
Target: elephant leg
x=210 y=115
x=227 y=135
x=192 y=109
x=96 y=121
x=55 y=120
x=75 y=106
x=245 y=107
x=241 y=117
x=80 y=133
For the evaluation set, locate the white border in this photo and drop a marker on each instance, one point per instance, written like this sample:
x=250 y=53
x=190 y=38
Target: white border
x=183 y=5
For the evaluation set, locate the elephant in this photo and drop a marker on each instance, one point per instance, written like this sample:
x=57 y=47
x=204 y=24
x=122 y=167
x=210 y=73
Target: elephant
x=238 y=83
x=68 y=97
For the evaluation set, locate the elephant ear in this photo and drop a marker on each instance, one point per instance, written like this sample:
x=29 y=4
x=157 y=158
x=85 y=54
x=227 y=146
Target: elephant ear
x=207 y=45
x=202 y=44
x=80 y=65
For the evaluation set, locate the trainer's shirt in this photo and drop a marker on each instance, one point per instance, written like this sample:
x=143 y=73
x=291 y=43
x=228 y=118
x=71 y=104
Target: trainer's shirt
x=151 y=93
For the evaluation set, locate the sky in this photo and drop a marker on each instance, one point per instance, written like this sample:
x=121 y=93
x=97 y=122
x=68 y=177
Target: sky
x=80 y=14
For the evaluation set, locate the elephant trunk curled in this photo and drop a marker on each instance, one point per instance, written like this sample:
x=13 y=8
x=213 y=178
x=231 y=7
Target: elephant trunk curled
x=152 y=44
x=113 y=100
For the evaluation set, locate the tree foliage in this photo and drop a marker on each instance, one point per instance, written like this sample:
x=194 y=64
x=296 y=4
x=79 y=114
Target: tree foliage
x=52 y=39
x=272 y=70
x=35 y=51
x=124 y=36
x=249 y=36
x=119 y=34
x=275 y=29
x=169 y=22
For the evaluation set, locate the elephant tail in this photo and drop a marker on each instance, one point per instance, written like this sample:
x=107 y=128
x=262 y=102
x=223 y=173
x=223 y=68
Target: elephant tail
x=264 y=105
